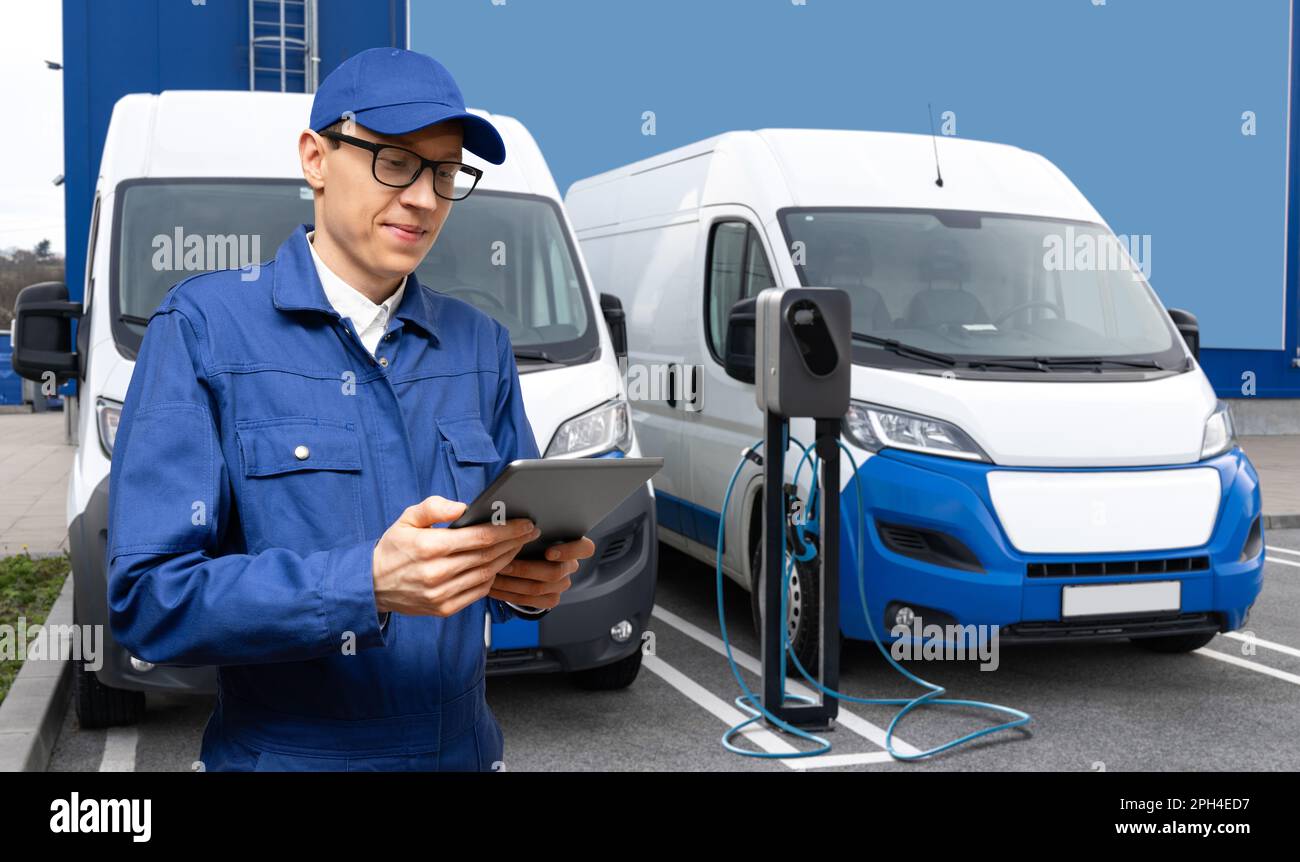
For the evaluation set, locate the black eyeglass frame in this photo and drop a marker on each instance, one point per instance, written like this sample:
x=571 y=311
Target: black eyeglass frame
x=375 y=147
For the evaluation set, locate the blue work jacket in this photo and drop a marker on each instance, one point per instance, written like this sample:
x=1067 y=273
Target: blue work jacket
x=261 y=453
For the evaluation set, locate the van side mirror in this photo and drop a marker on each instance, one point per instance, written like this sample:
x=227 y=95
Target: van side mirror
x=1189 y=329
x=612 y=308
x=42 y=332
x=742 y=340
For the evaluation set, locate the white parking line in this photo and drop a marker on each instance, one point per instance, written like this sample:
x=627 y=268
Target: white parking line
x=1277 y=647
x=756 y=732
x=119 y=750
x=827 y=761
x=847 y=719
x=1281 y=550
x=1249 y=665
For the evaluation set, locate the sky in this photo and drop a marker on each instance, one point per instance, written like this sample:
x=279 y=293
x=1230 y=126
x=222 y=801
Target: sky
x=31 y=206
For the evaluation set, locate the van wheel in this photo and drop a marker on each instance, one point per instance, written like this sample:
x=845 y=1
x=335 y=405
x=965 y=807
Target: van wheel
x=610 y=677
x=1174 y=643
x=802 y=610
x=99 y=705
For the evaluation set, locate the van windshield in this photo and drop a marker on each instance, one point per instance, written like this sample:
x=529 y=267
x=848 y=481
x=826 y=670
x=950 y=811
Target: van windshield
x=981 y=287
x=507 y=254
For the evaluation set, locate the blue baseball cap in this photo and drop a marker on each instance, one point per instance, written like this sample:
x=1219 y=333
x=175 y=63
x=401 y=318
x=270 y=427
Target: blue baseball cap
x=393 y=91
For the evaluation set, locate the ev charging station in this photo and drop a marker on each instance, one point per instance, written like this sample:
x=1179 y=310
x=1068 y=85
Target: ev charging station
x=802 y=369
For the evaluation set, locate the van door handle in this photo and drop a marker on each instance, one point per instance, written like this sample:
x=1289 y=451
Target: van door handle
x=693 y=397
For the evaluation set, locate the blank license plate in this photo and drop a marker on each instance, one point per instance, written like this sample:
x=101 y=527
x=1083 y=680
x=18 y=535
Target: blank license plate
x=1102 y=599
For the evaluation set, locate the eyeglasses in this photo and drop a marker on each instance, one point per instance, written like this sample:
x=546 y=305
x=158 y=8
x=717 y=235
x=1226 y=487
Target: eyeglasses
x=399 y=167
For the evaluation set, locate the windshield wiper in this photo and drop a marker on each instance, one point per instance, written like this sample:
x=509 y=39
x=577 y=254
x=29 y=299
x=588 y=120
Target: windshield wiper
x=538 y=354
x=1047 y=363
x=1098 y=361
x=1029 y=363
x=902 y=349
x=534 y=353
x=133 y=318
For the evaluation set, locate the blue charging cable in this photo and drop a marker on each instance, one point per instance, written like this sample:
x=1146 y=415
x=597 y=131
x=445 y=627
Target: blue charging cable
x=752 y=703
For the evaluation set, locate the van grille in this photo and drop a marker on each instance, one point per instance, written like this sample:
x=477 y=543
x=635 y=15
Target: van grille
x=1167 y=565
x=1126 y=626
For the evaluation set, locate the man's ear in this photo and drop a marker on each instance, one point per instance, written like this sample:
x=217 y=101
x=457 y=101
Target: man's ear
x=311 y=150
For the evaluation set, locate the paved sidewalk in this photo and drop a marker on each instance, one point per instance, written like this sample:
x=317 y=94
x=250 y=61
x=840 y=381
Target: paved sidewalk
x=1277 y=460
x=34 y=466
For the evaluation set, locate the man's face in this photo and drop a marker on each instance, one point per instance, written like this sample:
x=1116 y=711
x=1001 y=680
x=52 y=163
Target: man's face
x=386 y=231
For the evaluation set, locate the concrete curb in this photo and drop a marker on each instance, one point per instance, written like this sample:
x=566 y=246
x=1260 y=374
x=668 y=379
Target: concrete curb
x=1281 y=522
x=32 y=713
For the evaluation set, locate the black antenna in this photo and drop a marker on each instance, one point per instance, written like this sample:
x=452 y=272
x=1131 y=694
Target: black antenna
x=934 y=140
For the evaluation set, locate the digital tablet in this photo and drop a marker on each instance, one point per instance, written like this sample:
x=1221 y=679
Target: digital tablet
x=565 y=497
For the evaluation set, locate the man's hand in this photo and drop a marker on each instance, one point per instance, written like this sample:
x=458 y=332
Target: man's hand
x=428 y=572
x=538 y=583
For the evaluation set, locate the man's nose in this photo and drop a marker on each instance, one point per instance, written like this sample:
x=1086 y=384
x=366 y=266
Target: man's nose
x=421 y=194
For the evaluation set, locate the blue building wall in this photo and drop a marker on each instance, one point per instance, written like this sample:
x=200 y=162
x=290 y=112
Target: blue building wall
x=11 y=385
x=115 y=47
x=1140 y=103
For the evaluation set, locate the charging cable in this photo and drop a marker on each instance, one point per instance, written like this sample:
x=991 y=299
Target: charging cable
x=752 y=703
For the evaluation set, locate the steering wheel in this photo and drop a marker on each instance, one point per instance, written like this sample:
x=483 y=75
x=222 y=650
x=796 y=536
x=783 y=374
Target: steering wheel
x=1045 y=303
x=491 y=299
x=499 y=310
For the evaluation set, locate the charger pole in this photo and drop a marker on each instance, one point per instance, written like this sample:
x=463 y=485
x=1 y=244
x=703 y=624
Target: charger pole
x=816 y=716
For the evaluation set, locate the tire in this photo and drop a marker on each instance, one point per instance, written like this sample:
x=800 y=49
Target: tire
x=1174 y=643
x=610 y=677
x=802 y=605
x=98 y=705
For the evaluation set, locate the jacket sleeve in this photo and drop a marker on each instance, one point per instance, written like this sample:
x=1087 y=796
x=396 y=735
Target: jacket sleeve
x=173 y=597
x=513 y=436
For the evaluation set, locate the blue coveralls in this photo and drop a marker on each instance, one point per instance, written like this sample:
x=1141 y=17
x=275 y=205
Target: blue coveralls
x=230 y=545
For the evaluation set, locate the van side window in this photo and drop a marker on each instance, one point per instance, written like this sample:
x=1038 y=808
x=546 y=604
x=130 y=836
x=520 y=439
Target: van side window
x=737 y=269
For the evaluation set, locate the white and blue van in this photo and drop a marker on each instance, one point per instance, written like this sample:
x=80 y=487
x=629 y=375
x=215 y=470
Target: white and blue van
x=1039 y=447
x=157 y=173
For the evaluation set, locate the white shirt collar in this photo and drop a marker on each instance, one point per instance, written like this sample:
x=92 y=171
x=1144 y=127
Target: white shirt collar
x=350 y=302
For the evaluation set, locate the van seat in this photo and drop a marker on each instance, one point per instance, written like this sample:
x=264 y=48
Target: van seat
x=937 y=306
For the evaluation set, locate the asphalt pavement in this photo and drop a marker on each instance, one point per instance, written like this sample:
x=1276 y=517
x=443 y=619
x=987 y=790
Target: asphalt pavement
x=1106 y=706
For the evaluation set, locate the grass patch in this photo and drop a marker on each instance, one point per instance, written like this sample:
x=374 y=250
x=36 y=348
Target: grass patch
x=28 y=587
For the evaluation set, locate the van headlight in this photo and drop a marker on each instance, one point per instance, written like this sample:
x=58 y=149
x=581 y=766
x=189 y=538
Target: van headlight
x=107 y=414
x=1220 y=436
x=874 y=427
x=597 y=431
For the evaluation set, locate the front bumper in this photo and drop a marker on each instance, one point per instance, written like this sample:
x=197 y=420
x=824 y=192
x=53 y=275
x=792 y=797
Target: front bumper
x=88 y=547
x=616 y=583
x=951 y=497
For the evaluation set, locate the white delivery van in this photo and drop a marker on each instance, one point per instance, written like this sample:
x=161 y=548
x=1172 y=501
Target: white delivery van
x=1039 y=448
x=158 y=172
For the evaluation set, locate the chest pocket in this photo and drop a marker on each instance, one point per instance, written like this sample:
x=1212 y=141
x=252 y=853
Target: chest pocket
x=468 y=453
x=302 y=483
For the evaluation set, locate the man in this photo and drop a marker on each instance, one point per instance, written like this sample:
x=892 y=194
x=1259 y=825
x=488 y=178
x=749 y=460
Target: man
x=291 y=432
